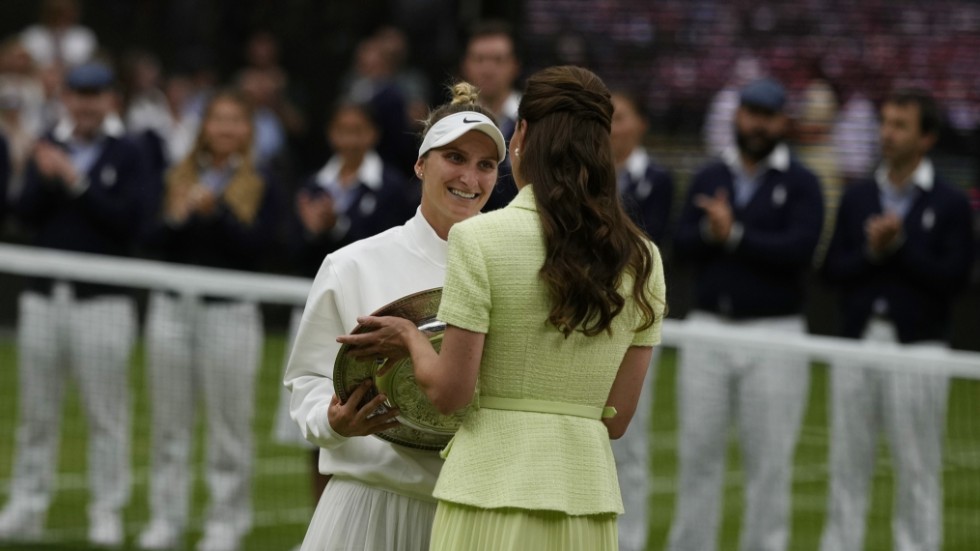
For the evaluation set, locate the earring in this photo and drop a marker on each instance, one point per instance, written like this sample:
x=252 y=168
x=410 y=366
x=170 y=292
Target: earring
x=517 y=152
x=419 y=174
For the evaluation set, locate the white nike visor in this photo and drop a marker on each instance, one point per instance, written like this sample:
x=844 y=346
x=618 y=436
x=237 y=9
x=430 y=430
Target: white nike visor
x=448 y=129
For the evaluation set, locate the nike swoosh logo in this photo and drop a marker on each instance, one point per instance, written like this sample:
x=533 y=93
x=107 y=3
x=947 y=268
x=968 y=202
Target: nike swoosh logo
x=466 y=120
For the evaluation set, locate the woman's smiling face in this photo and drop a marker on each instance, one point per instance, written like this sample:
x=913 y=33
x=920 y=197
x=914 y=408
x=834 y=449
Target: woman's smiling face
x=457 y=180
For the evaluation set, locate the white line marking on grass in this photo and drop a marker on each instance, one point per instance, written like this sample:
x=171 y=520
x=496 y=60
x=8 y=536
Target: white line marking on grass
x=262 y=519
x=283 y=465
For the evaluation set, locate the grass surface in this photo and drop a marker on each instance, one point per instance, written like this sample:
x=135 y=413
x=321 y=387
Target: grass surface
x=283 y=505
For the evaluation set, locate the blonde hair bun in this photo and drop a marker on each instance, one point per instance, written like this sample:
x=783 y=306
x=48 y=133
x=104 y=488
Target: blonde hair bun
x=464 y=93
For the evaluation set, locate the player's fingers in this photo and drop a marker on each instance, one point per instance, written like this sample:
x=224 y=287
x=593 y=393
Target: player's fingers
x=369 y=408
x=358 y=394
x=369 y=321
x=378 y=425
x=355 y=341
x=363 y=350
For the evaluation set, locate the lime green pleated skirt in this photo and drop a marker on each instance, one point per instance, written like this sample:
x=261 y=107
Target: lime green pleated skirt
x=463 y=528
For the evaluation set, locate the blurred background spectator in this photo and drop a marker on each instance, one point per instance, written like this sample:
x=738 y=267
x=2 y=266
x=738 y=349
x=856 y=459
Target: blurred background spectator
x=58 y=38
x=677 y=55
x=216 y=209
x=491 y=62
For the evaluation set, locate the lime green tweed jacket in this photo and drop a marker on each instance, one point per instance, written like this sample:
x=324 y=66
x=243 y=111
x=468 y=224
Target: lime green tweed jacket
x=540 y=461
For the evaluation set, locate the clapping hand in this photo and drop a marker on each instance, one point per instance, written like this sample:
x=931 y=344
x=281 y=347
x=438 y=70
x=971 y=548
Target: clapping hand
x=52 y=162
x=197 y=200
x=882 y=231
x=718 y=211
x=202 y=201
x=316 y=212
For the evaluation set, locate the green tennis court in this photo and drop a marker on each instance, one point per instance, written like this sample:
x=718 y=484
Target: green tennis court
x=282 y=502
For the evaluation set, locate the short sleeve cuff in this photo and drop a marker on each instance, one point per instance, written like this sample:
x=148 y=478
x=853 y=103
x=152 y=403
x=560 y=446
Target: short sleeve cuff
x=452 y=315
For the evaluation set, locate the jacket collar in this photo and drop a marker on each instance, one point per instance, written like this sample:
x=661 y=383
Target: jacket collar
x=525 y=199
x=112 y=126
x=636 y=164
x=510 y=106
x=777 y=160
x=369 y=173
x=924 y=176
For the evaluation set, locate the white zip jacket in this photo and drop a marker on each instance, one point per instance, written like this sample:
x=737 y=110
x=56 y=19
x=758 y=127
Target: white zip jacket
x=356 y=281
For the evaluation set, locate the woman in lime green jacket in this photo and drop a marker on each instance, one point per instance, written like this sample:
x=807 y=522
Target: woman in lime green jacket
x=553 y=305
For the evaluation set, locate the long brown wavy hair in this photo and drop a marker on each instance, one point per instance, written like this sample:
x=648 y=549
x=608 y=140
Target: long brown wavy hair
x=244 y=192
x=590 y=241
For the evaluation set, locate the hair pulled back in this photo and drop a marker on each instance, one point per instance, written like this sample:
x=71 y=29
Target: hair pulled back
x=590 y=241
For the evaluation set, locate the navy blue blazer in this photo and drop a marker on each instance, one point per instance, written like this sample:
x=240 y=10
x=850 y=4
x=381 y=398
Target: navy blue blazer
x=221 y=239
x=505 y=189
x=374 y=209
x=647 y=199
x=763 y=275
x=918 y=281
x=102 y=219
x=396 y=144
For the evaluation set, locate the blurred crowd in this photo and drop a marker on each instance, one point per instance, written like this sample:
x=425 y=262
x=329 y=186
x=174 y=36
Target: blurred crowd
x=682 y=52
x=683 y=61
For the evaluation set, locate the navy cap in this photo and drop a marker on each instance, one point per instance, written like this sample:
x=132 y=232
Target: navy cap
x=764 y=93
x=89 y=77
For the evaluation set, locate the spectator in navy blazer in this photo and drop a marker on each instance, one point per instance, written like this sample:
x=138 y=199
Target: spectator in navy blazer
x=82 y=192
x=355 y=195
x=647 y=192
x=902 y=248
x=647 y=189
x=217 y=209
x=750 y=224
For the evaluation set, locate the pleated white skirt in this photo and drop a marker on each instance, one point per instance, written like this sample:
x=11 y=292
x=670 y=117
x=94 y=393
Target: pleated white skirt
x=355 y=517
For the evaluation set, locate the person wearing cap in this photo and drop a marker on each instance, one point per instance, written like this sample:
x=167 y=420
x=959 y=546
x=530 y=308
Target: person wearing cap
x=748 y=228
x=380 y=494
x=901 y=250
x=82 y=192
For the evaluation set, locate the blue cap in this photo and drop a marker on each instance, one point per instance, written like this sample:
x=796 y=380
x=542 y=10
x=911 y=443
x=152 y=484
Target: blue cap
x=89 y=77
x=764 y=93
